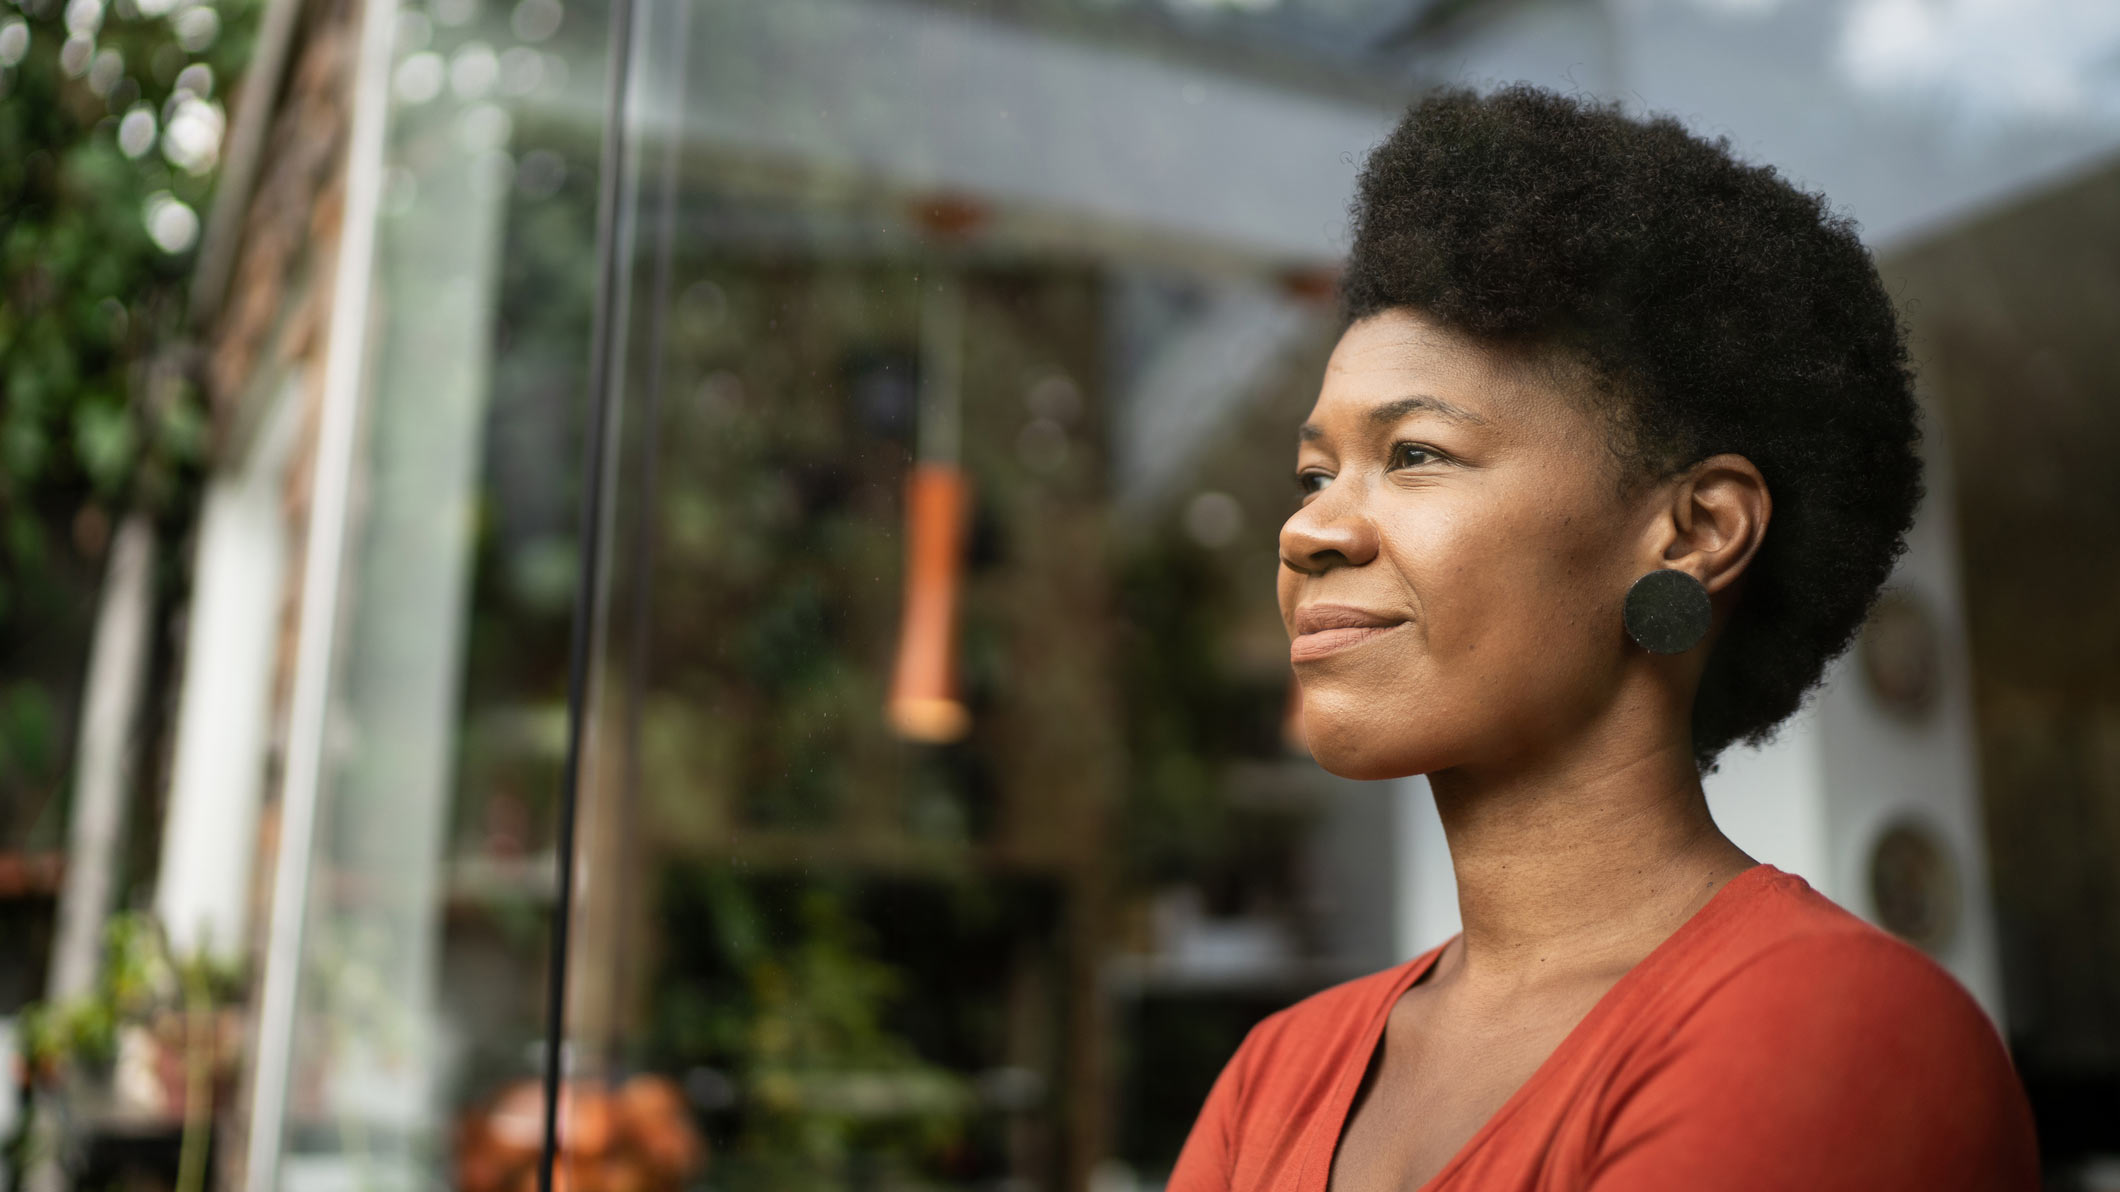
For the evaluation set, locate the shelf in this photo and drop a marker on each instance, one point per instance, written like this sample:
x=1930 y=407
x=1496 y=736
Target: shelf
x=1148 y=976
x=474 y=879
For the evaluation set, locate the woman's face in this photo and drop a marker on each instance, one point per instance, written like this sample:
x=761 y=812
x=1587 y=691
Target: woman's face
x=1452 y=582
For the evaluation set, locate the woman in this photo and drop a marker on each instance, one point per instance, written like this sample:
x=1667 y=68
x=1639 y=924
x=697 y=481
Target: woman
x=1611 y=459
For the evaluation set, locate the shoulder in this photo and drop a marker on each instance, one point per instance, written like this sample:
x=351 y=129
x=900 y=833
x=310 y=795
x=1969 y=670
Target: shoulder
x=1846 y=998
x=1806 y=971
x=1808 y=1031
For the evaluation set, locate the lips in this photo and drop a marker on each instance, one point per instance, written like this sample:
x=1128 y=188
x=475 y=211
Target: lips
x=1323 y=629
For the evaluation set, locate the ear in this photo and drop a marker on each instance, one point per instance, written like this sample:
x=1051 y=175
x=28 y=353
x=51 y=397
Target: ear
x=1714 y=519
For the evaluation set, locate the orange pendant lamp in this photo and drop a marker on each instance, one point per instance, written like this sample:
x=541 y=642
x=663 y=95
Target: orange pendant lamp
x=924 y=704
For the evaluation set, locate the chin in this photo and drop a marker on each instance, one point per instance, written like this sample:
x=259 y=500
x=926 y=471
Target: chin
x=1362 y=748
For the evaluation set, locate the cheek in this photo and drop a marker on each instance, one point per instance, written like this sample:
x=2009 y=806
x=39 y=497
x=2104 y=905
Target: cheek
x=1504 y=584
x=1515 y=631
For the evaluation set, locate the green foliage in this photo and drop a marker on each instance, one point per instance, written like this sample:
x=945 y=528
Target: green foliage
x=799 y=1015
x=110 y=124
x=1187 y=716
x=110 y=121
x=138 y=978
x=28 y=725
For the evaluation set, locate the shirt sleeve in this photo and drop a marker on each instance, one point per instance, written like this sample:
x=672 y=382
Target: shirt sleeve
x=1848 y=1062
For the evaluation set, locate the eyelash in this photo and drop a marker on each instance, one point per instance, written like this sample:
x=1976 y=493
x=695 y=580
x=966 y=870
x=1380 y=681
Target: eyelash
x=1396 y=448
x=1303 y=479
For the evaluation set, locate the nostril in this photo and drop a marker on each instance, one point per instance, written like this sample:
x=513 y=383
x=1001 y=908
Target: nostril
x=1316 y=562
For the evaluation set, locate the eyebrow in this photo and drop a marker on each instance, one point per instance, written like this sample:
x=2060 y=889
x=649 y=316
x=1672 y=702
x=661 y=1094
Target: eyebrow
x=1392 y=411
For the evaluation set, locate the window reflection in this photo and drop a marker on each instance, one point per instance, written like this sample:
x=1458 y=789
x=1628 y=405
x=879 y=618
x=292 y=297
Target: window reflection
x=940 y=824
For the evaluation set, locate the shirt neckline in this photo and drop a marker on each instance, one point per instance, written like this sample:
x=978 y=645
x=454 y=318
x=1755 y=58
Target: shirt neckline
x=1318 y=1174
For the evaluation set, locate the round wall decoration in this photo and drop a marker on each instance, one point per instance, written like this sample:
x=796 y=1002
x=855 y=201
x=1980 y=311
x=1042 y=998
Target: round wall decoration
x=1914 y=885
x=1901 y=652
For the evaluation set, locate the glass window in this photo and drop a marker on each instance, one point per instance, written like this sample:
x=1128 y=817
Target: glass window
x=941 y=824
x=938 y=820
x=401 y=1036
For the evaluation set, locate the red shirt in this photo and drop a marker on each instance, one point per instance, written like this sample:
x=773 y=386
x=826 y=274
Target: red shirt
x=1774 y=1041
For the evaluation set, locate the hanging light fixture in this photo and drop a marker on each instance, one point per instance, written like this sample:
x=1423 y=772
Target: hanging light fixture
x=924 y=704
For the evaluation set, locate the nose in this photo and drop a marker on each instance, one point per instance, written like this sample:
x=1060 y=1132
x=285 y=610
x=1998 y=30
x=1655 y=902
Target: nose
x=1331 y=531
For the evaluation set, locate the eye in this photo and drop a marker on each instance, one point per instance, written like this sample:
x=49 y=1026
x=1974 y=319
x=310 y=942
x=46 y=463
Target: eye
x=1413 y=455
x=1308 y=483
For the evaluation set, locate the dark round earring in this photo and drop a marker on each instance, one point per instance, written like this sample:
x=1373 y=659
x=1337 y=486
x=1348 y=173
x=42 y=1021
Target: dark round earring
x=1667 y=612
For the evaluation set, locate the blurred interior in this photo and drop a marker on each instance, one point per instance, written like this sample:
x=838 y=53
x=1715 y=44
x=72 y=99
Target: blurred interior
x=938 y=821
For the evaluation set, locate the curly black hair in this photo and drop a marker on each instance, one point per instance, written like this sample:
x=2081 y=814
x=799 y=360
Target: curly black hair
x=1710 y=305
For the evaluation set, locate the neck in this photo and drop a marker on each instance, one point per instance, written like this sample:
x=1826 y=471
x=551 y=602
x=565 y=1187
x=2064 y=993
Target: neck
x=1581 y=864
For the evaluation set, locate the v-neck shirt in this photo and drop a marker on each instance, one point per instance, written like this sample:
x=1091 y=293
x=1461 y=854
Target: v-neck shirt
x=1773 y=1041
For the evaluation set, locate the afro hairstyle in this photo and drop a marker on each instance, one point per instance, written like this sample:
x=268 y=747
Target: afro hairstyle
x=1709 y=306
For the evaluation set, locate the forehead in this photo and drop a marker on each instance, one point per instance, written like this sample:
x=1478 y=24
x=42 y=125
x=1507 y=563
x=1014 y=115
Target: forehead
x=1400 y=363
